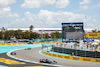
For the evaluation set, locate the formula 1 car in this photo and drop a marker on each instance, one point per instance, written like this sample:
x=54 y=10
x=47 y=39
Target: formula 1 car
x=47 y=61
x=27 y=49
x=13 y=53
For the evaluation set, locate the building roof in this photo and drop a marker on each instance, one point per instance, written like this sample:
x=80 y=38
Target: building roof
x=45 y=29
x=35 y=29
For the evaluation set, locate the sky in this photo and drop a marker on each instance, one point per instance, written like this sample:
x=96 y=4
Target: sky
x=49 y=13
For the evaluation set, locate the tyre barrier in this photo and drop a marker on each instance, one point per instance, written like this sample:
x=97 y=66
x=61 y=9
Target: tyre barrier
x=13 y=44
x=73 y=57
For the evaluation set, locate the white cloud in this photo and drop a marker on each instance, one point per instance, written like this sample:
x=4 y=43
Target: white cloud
x=5 y=10
x=98 y=4
x=27 y=13
x=62 y=3
x=85 y=2
x=47 y=18
x=5 y=3
x=94 y=20
x=6 y=13
x=37 y=3
x=84 y=7
x=41 y=3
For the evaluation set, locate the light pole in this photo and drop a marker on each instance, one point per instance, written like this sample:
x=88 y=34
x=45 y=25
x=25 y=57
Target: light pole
x=42 y=33
x=86 y=21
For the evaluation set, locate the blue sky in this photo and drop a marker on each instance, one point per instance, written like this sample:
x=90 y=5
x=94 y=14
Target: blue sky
x=49 y=13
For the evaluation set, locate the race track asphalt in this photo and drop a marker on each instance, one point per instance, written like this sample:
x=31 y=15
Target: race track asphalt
x=33 y=55
x=14 y=64
x=6 y=61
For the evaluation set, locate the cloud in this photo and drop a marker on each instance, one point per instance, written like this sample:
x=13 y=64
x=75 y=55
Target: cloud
x=62 y=3
x=84 y=7
x=27 y=13
x=5 y=3
x=94 y=20
x=98 y=4
x=85 y=2
x=37 y=3
x=6 y=13
x=5 y=10
x=47 y=19
x=41 y=3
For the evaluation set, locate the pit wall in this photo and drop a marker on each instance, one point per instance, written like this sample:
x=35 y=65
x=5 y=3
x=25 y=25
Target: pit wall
x=72 y=57
x=13 y=44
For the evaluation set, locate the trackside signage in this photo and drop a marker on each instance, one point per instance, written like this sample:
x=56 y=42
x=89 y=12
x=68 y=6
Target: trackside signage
x=74 y=58
x=92 y=34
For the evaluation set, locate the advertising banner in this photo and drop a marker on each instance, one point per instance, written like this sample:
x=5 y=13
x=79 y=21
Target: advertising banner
x=92 y=34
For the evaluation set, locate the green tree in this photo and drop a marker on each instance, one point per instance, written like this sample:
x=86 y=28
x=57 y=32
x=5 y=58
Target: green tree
x=9 y=34
x=0 y=35
x=26 y=35
x=18 y=34
x=98 y=31
x=94 y=31
x=46 y=36
x=35 y=35
x=31 y=28
x=56 y=35
x=3 y=33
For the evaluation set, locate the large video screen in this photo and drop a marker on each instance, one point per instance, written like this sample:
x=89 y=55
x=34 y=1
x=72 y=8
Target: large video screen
x=72 y=30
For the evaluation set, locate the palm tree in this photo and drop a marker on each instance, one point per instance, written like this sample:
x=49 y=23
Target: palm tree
x=98 y=31
x=3 y=33
x=94 y=31
x=31 y=28
x=96 y=47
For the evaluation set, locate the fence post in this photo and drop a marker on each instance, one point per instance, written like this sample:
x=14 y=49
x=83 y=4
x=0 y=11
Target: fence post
x=95 y=54
x=76 y=52
x=42 y=46
x=52 y=48
x=85 y=53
